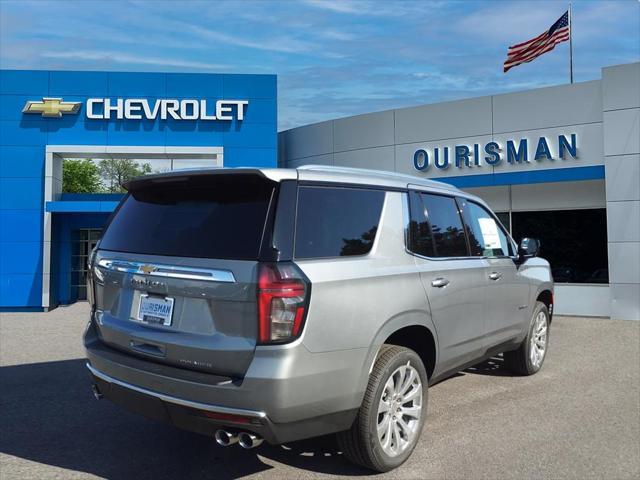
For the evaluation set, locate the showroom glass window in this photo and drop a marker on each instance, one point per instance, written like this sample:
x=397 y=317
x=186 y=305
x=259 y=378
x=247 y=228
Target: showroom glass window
x=505 y=219
x=573 y=241
x=436 y=228
x=336 y=222
x=486 y=237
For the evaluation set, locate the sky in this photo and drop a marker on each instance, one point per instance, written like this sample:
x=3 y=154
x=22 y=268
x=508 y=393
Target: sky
x=333 y=58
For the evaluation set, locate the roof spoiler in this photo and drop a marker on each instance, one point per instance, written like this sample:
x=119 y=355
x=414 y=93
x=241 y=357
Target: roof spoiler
x=179 y=176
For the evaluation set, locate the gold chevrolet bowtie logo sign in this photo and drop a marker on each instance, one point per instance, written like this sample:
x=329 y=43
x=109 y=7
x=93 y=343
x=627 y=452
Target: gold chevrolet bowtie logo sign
x=51 y=107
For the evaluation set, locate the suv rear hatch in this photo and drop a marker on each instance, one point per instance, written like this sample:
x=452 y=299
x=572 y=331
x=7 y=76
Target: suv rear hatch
x=174 y=275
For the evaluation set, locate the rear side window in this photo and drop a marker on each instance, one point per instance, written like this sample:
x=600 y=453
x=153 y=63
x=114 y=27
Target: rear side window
x=420 y=238
x=212 y=217
x=336 y=222
x=436 y=228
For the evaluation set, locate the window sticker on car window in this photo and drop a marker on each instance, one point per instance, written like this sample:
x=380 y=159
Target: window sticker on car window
x=489 y=229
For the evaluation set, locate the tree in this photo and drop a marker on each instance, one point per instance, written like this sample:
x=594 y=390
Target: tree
x=116 y=172
x=80 y=176
x=358 y=246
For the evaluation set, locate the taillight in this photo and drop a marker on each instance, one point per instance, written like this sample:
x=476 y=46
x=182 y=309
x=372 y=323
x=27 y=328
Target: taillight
x=283 y=293
x=90 y=276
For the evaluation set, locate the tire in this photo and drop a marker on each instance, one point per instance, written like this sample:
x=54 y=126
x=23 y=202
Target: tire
x=522 y=361
x=361 y=444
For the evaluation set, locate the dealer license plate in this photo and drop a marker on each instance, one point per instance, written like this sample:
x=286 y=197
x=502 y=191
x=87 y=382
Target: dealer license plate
x=155 y=310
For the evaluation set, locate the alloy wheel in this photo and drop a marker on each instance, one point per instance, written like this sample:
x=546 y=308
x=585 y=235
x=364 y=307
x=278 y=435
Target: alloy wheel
x=538 y=346
x=400 y=410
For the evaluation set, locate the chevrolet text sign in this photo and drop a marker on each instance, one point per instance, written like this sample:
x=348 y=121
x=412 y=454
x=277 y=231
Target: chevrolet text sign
x=186 y=109
x=141 y=109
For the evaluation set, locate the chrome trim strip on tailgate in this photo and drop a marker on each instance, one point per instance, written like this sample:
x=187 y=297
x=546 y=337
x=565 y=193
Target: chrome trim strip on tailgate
x=168 y=271
x=177 y=401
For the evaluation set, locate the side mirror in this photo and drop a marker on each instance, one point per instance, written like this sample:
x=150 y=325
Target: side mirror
x=529 y=247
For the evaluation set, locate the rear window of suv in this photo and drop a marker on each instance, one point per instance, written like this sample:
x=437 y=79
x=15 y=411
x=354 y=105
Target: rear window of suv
x=336 y=222
x=220 y=216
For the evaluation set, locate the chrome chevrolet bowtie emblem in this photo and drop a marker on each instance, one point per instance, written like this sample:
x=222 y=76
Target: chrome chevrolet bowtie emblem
x=147 y=269
x=51 y=107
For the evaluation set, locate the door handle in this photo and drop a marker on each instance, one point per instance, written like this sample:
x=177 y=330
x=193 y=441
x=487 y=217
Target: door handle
x=148 y=348
x=440 y=282
x=495 y=276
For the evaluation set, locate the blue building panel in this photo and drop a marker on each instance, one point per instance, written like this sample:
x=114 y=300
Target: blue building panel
x=189 y=85
x=108 y=207
x=24 y=82
x=25 y=136
x=11 y=106
x=86 y=84
x=132 y=85
x=21 y=193
x=261 y=110
x=249 y=157
x=237 y=86
x=73 y=206
x=21 y=161
x=24 y=132
x=20 y=290
x=20 y=225
x=260 y=136
x=92 y=132
x=136 y=132
x=91 y=197
x=20 y=257
x=81 y=206
x=200 y=134
x=594 y=172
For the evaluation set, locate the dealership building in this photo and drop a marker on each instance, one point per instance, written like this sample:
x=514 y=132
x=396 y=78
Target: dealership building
x=171 y=121
x=559 y=163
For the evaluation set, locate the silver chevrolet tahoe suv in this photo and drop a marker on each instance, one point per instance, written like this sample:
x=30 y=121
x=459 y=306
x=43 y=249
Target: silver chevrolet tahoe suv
x=283 y=304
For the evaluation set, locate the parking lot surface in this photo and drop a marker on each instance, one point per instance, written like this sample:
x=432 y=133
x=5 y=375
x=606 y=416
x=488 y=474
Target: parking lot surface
x=578 y=418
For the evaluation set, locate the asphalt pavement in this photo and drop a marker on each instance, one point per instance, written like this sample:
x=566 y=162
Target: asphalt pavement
x=578 y=418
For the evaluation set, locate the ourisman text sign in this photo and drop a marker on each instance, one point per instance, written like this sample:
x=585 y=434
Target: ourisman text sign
x=493 y=153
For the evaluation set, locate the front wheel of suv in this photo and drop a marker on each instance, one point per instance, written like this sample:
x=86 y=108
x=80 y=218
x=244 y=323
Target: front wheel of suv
x=530 y=355
x=392 y=413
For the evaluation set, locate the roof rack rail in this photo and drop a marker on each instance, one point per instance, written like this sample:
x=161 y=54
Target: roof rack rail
x=383 y=174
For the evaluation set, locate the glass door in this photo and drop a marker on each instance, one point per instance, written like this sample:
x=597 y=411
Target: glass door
x=87 y=238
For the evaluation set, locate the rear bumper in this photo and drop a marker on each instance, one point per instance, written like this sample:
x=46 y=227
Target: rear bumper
x=288 y=394
x=204 y=407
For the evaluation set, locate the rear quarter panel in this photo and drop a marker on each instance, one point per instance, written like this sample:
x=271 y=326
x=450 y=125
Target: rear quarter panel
x=357 y=302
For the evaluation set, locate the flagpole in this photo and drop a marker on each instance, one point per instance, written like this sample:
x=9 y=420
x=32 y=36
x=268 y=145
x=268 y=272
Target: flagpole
x=570 y=44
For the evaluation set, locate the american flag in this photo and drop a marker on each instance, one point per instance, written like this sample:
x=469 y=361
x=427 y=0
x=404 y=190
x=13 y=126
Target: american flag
x=527 y=51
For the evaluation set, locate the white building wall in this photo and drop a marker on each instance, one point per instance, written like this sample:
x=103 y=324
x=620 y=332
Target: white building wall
x=498 y=198
x=558 y=196
x=621 y=115
x=603 y=113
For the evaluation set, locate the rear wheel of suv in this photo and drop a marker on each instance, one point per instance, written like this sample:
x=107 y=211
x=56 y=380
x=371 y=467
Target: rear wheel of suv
x=530 y=355
x=392 y=413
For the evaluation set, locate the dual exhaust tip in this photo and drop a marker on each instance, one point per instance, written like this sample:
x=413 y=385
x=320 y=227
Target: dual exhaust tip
x=97 y=394
x=247 y=440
